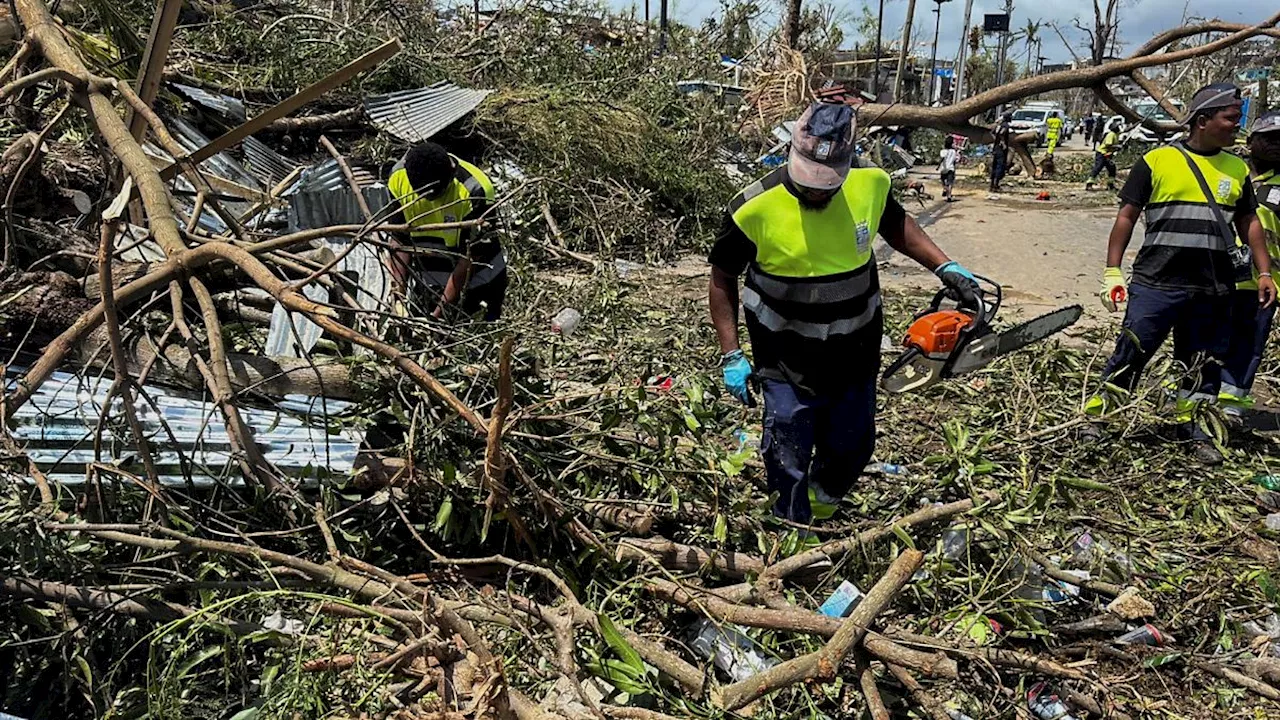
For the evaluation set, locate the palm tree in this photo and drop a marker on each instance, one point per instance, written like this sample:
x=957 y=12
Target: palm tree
x=1030 y=37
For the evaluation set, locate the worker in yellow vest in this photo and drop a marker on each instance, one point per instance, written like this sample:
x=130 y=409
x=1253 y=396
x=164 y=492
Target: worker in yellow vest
x=1195 y=198
x=1053 y=131
x=803 y=236
x=461 y=267
x=1250 y=322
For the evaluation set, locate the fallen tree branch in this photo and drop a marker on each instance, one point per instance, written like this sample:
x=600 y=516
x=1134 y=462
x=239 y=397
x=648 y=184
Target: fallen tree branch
x=822 y=664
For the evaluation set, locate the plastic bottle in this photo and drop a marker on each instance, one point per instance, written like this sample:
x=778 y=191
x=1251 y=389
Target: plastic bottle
x=887 y=469
x=955 y=543
x=566 y=321
x=1093 y=552
x=1046 y=705
x=746 y=440
x=1270 y=482
x=730 y=650
x=1145 y=635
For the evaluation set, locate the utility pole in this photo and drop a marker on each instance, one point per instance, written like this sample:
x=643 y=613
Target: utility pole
x=1004 y=49
x=875 y=79
x=662 y=27
x=964 y=53
x=933 y=60
x=906 y=47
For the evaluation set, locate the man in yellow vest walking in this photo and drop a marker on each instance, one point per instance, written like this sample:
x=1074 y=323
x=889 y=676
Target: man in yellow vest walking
x=1053 y=132
x=803 y=236
x=1250 y=322
x=1195 y=198
x=458 y=267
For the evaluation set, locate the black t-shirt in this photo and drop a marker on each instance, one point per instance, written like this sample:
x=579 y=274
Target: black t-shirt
x=816 y=366
x=1176 y=268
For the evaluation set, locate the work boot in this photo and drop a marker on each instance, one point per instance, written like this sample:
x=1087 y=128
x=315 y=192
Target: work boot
x=821 y=504
x=1206 y=453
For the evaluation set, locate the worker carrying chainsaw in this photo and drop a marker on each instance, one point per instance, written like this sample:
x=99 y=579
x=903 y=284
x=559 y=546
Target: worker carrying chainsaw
x=1195 y=198
x=1251 y=322
x=803 y=236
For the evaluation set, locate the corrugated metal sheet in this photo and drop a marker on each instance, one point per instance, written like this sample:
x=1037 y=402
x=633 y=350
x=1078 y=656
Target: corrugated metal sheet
x=224 y=105
x=416 y=115
x=267 y=164
x=322 y=197
x=187 y=434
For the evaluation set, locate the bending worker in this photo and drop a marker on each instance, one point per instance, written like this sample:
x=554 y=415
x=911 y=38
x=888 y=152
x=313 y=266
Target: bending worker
x=1184 y=274
x=1251 y=322
x=459 y=267
x=803 y=236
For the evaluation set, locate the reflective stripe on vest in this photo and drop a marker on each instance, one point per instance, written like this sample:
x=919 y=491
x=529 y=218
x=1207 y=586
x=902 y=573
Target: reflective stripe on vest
x=1177 y=214
x=460 y=198
x=814 y=271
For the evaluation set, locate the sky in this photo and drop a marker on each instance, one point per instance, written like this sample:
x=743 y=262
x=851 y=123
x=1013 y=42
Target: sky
x=1139 y=19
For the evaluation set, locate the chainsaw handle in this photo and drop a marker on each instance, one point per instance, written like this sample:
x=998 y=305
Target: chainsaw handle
x=984 y=315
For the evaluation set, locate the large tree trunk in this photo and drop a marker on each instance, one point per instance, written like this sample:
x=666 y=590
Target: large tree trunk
x=792 y=30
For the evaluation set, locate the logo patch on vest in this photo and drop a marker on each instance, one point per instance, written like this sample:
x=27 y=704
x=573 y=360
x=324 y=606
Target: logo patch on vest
x=1224 y=189
x=864 y=236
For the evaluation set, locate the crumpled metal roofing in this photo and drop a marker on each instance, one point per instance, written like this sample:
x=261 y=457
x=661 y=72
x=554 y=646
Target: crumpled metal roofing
x=58 y=425
x=416 y=115
x=224 y=105
x=266 y=163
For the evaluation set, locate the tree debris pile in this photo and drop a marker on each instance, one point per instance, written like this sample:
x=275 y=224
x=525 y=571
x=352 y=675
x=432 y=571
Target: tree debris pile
x=537 y=524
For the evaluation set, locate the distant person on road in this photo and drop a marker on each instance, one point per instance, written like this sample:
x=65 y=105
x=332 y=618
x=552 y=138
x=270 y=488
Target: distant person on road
x=1185 y=273
x=1251 y=322
x=1000 y=151
x=1103 y=157
x=947 y=158
x=1088 y=129
x=1053 y=131
x=458 y=267
x=803 y=236
x=1098 y=129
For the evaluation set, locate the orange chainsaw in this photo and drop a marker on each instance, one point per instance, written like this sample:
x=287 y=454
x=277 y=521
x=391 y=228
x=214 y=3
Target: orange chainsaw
x=945 y=342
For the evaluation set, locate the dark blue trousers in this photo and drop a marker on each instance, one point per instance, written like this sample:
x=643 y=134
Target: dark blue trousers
x=824 y=438
x=1201 y=327
x=1250 y=327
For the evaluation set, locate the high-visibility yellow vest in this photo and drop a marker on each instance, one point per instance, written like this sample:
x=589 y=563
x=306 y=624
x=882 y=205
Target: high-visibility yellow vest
x=814 y=271
x=1053 y=127
x=1267 y=188
x=1178 y=215
x=466 y=196
x=1109 y=142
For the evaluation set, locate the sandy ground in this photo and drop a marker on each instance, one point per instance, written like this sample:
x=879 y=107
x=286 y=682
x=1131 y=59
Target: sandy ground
x=1044 y=254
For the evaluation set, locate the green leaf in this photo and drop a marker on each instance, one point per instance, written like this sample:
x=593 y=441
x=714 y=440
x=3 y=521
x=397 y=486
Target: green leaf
x=619 y=644
x=247 y=714
x=189 y=665
x=1158 y=660
x=85 y=671
x=721 y=528
x=443 y=515
x=904 y=536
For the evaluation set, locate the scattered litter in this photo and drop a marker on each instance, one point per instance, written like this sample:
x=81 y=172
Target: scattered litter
x=887 y=469
x=842 y=601
x=1269 y=482
x=731 y=651
x=278 y=622
x=955 y=543
x=1131 y=606
x=1272 y=521
x=566 y=321
x=1046 y=705
x=746 y=440
x=1098 y=555
x=1043 y=195
x=625 y=267
x=1145 y=635
x=888 y=344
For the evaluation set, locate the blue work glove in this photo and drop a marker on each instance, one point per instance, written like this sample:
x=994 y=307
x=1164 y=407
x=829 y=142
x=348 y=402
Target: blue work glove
x=737 y=370
x=962 y=284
